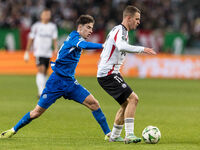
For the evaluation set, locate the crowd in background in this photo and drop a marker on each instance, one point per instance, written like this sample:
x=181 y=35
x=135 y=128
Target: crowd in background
x=157 y=15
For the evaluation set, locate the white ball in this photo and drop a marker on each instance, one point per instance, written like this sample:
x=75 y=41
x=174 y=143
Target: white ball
x=151 y=134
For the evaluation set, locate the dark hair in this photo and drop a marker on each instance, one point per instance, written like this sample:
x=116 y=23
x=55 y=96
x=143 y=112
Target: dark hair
x=45 y=9
x=130 y=10
x=84 y=19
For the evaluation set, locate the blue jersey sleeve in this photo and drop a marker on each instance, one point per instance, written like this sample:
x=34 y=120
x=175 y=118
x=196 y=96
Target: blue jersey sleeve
x=81 y=43
x=90 y=45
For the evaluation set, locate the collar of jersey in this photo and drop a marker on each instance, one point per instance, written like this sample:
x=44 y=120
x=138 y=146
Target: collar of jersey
x=124 y=27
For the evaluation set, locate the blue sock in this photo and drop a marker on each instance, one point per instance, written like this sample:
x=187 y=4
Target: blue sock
x=24 y=121
x=101 y=119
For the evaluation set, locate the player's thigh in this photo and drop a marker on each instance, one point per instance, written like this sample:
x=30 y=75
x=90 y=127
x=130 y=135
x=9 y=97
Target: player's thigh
x=115 y=86
x=48 y=98
x=52 y=91
x=77 y=92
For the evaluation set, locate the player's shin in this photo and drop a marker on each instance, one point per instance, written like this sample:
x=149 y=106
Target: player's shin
x=24 y=121
x=101 y=119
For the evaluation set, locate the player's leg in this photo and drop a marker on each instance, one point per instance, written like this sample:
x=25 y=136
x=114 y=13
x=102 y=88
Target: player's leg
x=115 y=86
x=118 y=124
x=129 y=116
x=40 y=79
x=35 y=113
x=132 y=102
x=50 y=94
x=119 y=118
x=26 y=119
x=93 y=105
x=126 y=114
x=121 y=94
x=79 y=94
x=41 y=76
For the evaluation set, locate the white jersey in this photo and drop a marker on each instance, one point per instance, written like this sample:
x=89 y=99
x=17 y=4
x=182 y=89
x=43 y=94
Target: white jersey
x=114 y=52
x=43 y=35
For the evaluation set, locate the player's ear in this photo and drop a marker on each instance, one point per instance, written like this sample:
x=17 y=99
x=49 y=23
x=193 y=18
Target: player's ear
x=129 y=17
x=79 y=27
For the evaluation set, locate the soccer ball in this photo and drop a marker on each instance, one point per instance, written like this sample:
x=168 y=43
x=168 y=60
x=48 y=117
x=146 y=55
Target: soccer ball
x=151 y=134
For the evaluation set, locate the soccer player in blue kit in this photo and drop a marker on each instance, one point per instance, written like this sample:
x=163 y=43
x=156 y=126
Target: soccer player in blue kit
x=62 y=81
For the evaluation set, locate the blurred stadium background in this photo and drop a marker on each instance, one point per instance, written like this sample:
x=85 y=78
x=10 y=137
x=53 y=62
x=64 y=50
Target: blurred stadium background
x=171 y=27
x=161 y=20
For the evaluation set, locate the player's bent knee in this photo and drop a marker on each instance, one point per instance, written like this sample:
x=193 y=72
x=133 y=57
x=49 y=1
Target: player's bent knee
x=91 y=103
x=34 y=114
x=97 y=106
x=133 y=98
x=94 y=105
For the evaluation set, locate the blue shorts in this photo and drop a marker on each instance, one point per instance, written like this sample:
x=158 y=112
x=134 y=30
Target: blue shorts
x=58 y=86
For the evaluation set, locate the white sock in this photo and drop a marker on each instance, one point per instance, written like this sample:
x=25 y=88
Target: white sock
x=13 y=129
x=116 y=131
x=40 y=81
x=129 y=126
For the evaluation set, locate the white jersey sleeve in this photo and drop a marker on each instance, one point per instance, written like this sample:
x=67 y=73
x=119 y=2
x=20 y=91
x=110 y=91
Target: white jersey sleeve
x=125 y=47
x=33 y=31
x=114 y=51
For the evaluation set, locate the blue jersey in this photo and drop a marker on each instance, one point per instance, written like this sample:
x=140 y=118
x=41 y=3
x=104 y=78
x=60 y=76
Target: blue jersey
x=69 y=54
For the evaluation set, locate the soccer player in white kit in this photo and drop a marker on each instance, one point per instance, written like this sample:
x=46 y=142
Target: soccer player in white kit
x=42 y=35
x=108 y=75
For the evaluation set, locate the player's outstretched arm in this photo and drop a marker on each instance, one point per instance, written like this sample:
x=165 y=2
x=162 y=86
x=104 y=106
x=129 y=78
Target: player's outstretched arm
x=123 y=46
x=81 y=43
x=90 y=45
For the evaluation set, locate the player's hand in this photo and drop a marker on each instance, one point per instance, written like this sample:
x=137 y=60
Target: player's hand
x=103 y=45
x=26 y=56
x=149 y=51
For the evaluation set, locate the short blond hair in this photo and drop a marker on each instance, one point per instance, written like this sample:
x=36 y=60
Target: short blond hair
x=130 y=11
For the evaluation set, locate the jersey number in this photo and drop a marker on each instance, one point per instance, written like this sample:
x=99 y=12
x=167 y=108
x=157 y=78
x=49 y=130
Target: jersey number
x=118 y=79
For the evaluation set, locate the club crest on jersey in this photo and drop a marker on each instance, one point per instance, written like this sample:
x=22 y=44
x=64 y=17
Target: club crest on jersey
x=76 y=82
x=124 y=85
x=124 y=38
x=44 y=96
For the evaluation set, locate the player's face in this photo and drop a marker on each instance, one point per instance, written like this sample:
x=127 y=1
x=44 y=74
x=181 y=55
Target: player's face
x=86 y=30
x=45 y=16
x=134 y=21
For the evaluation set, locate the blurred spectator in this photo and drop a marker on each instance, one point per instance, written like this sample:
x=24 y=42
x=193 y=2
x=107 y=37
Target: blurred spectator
x=168 y=15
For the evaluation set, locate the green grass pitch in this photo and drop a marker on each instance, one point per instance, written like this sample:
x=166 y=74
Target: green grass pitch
x=171 y=105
